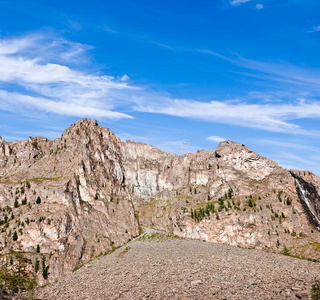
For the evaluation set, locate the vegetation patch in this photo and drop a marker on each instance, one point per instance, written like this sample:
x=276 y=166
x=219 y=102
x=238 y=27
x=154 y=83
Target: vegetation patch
x=124 y=252
x=315 y=291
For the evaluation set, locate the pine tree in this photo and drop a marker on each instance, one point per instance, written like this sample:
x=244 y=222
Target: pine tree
x=15 y=236
x=24 y=201
x=44 y=268
x=286 y=251
x=36 y=266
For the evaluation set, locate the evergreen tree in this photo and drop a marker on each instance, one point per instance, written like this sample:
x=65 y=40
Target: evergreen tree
x=36 y=266
x=44 y=268
x=24 y=201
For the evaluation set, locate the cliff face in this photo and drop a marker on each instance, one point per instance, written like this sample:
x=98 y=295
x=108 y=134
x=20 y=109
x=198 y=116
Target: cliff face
x=79 y=196
x=231 y=195
x=85 y=207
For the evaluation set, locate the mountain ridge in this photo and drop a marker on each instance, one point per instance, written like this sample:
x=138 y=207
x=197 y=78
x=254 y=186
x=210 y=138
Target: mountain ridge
x=96 y=191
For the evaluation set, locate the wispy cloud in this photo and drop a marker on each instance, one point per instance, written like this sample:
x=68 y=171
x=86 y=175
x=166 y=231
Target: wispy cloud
x=259 y=6
x=216 y=139
x=288 y=145
x=238 y=2
x=108 y=29
x=315 y=29
x=281 y=72
x=34 y=78
x=290 y=160
x=26 y=65
x=270 y=117
x=16 y=102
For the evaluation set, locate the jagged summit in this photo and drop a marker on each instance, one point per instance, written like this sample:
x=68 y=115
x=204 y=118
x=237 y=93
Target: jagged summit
x=88 y=192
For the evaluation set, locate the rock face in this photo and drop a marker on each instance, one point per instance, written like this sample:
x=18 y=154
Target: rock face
x=257 y=204
x=84 y=208
x=74 y=198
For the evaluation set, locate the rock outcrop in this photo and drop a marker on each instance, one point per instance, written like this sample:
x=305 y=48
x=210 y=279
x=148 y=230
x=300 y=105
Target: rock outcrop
x=69 y=200
x=66 y=197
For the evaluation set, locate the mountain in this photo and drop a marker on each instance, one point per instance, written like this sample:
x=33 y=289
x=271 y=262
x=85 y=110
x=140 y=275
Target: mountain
x=67 y=201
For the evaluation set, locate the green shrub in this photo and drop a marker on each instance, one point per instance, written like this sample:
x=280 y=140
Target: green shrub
x=15 y=236
x=315 y=291
x=250 y=202
x=24 y=201
x=38 y=201
x=13 y=283
x=286 y=251
x=35 y=144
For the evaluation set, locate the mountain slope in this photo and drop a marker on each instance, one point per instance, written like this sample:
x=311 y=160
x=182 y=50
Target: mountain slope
x=69 y=200
x=161 y=267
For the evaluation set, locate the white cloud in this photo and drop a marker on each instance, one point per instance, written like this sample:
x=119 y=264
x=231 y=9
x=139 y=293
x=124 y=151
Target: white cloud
x=216 y=139
x=290 y=145
x=280 y=72
x=259 y=6
x=238 y=2
x=35 y=77
x=271 y=117
x=26 y=65
x=108 y=29
x=294 y=77
x=315 y=29
x=16 y=102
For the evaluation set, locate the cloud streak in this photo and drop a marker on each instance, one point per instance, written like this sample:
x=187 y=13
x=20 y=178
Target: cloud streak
x=315 y=29
x=34 y=78
x=282 y=73
x=270 y=117
x=238 y=2
x=301 y=77
x=216 y=139
x=53 y=87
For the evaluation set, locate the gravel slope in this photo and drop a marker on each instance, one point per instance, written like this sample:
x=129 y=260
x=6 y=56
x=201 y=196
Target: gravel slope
x=166 y=268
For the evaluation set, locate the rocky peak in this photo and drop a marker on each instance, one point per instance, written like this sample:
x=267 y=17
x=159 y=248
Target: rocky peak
x=85 y=193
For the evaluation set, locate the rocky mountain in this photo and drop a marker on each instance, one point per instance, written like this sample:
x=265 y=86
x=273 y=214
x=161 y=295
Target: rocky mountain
x=67 y=201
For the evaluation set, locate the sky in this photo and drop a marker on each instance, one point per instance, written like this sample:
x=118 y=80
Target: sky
x=179 y=75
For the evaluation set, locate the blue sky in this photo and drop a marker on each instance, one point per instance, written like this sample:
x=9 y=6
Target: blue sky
x=180 y=75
